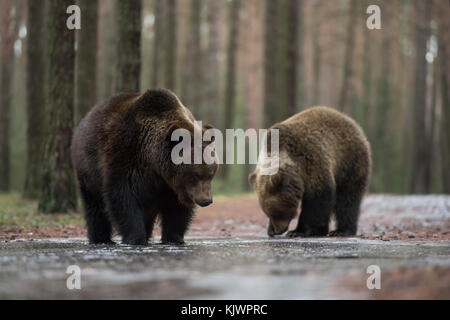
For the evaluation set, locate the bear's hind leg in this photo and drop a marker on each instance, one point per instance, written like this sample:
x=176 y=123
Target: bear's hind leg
x=98 y=225
x=128 y=213
x=348 y=201
x=315 y=215
x=175 y=221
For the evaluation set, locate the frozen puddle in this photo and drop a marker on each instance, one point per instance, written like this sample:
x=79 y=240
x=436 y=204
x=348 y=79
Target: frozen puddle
x=251 y=267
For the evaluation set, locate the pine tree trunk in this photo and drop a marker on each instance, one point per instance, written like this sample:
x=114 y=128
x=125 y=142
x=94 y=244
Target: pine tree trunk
x=346 y=87
x=171 y=45
x=292 y=55
x=35 y=97
x=270 y=65
x=301 y=70
x=192 y=72
x=211 y=71
x=230 y=82
x=444 y=69
x=128 y=68
x=7 y=70
x=419 y=155
x=58 y=192
x=317 y=55
x=107 y=50
x=157 y=40
x=253 y=72
x=86 y=59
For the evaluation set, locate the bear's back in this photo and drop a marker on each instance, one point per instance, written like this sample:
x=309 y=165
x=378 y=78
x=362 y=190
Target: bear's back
x=325 y=137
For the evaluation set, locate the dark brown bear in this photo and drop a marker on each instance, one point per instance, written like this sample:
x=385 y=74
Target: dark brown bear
x=121 y=152
x=325 y=163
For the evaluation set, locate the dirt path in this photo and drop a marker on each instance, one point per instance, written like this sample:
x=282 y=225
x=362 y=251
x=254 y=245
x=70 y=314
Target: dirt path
x=383 y=217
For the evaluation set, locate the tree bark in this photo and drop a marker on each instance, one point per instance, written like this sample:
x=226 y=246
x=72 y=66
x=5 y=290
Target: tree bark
x=7 y=68
x=346 y=84
x=157 y=40
x=230 y=82
x=58 y=193
x=423 y=32
x=128 y=68
x=212 y=99
x=171 y=45
x=86 y=59
x=292 y=55
x=270 y=63
x=35 y=97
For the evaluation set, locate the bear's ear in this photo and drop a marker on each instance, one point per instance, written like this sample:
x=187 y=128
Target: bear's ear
x=207 y=127
x=252 y=178
x=275 y=183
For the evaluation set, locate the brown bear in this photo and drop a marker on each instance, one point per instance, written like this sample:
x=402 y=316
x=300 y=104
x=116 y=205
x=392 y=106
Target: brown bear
x=121 y=152
x=324 y=163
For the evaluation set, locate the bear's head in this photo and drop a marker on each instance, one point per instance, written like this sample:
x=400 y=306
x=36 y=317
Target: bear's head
x=278 y=196
x=191 y=180
x=163 y=112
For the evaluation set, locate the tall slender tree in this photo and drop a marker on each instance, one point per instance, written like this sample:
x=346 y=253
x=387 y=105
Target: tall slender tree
x=128 y=67
x=444 y=62
x=192 y=73
x=230 y=82
x=419 y=156
x=211 y=71
x=35 y=96
x=7 y=63
x=270 y=65
x=317 y=52
x=347 y=74
x=158 y=38
x=292 y=55
x=58 y=193
x=106 y=50
x=86 y=59
x=170 y=45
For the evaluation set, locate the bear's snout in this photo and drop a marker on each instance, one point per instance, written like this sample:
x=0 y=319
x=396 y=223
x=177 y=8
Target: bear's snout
x=205 y=202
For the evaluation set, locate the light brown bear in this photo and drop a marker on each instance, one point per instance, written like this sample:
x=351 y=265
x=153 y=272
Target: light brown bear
x=325 y=163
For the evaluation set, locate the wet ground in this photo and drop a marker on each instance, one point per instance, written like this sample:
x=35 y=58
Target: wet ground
x=243 y=267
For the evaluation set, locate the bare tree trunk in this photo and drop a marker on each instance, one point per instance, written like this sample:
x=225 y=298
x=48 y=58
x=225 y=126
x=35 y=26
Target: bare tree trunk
x=58 y=193
x=292 y=56
x=192 y=73
x=346 y=87
x=301 y=71
x=35 y=97
x=171 y=45
x=420 y=155
x=270 y=63
x=253 y=63
x=230 y=82
x=86 y=59
x=444 y=62
x=157 y=40
x=212 y=99
x=128 y=19
x=7 y=63
x=107 y=50
x=316 y=53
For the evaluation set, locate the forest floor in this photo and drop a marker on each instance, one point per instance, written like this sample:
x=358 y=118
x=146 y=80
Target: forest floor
x=228 y=255
x=383 y=217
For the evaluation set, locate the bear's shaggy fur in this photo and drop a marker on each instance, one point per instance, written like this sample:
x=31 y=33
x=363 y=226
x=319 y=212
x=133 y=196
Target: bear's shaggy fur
x=325 y=163
x=121 y=152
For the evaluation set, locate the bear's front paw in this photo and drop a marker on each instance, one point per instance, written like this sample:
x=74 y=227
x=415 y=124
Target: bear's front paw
x=173 y=242
x=135 y=242
x=295 y=234
x=337 y=233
